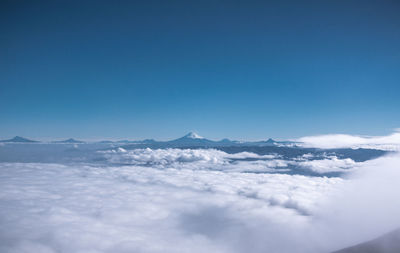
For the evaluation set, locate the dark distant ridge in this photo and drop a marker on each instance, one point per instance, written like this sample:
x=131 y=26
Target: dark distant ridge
x=189 y=140
x=106 y=142
x=146 y=141
x=70 y=140
x=19 y=139
x=193 y=140
x=388 y=243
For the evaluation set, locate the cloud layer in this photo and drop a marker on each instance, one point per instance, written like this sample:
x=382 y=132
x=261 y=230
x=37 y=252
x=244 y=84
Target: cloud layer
x=57 y=208
x=389 y=142
x=212 y=159
x=196 y=200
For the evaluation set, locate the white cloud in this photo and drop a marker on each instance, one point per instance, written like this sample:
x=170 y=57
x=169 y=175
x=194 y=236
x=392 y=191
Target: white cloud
x=194 y=159
x=211 y=159
x=330 y=164
x=165 y=156
x=366 y=207
x=174 y=200
x=60 y=208
x=389 y=142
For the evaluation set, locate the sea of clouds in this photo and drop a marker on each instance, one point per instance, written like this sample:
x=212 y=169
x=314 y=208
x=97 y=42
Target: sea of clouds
x=203 y=200
x=389 y=142
x=212 y=159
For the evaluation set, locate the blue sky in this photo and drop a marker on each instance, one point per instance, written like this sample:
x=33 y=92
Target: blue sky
x=158 y=69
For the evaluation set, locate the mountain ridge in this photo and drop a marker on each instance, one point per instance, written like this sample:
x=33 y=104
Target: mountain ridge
x=19 y=139
x=191 y=139
x=70 y=140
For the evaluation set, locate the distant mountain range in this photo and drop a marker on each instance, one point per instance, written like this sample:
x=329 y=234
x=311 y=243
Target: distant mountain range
x=71 y=140
x=19 y=139
x=194 y=140
x=189 y=140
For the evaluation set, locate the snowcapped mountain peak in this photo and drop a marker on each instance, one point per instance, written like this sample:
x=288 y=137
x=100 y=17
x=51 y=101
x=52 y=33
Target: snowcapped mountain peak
x=193 y=135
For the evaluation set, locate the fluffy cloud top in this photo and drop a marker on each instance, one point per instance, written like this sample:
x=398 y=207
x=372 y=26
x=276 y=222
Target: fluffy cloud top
x=58 y=208
x=50 y=208
x=389 y=142
x=195 y=200
x=211 y=159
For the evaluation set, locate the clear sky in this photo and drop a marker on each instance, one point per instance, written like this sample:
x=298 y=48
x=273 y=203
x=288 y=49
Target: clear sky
x=235 y=69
